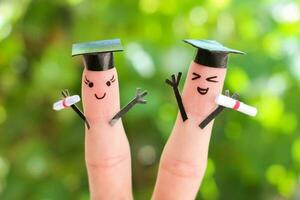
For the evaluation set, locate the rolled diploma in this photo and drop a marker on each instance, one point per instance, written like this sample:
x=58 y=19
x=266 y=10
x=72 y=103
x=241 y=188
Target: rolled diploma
x=68 y=101
x=236 y=105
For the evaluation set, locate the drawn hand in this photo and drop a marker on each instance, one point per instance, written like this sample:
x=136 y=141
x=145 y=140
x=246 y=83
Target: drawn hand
x=139 y=96
x=234 y=95
x=174 y=82
x=137 y=99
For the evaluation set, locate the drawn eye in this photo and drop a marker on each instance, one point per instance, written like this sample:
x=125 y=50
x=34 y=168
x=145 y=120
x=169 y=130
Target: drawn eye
x=211 y=79
x=112 y=79
x=89 y=83
x=196 y=76
x=108 y=83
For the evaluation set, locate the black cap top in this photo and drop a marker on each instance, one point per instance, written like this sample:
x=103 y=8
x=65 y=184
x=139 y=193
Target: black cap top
x=211 y=53
x=98 y=55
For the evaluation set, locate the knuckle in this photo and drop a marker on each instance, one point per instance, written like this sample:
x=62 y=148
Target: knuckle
x=183 y=169
x=107 y=163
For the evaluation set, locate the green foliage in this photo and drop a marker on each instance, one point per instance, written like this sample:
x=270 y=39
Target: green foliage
x=41 y=151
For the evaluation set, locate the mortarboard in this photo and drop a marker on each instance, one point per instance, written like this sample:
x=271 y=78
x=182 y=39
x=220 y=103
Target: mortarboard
x=97 y=55
x=211 y=53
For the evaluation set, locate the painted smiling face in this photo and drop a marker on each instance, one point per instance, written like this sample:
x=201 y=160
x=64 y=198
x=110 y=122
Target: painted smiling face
x=202 y=86
x=91 y=84
x=100 y=93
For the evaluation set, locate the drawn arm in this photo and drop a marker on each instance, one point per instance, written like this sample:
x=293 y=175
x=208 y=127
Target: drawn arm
x=216 y=112
x=66 y=93
x=137 y=99
x=174 y=82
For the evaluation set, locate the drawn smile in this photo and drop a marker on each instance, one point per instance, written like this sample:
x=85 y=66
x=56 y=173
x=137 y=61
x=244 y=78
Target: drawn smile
x=202 y=91
x=100 y=97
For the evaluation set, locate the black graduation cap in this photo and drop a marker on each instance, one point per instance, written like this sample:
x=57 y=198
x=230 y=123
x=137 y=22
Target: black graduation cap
x=211 y=53
x=97 y=55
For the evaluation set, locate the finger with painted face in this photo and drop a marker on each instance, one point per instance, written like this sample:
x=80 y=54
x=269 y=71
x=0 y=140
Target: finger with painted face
x=184 y=158
x=107 y=152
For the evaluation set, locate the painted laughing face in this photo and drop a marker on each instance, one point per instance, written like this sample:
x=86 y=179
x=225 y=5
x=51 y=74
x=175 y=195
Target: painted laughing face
x=200 y=90
x=202 y=86
x=100 y=93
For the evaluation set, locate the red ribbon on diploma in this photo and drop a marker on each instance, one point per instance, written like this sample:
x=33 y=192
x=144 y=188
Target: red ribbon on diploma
x=236 y=105
x=64 y=103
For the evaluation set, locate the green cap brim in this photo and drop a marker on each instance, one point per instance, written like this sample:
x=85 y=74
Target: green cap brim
x=212 y=46
x=101 y=46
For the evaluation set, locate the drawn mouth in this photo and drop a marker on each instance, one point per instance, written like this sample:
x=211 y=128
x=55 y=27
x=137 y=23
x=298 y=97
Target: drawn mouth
x=100 y=97
x=202 y=91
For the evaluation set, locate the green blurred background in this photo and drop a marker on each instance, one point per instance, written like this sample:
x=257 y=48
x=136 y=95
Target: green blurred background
x=41 y=151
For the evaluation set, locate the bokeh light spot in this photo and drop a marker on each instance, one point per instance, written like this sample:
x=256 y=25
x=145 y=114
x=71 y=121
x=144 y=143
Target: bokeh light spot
x=275 y=173
x=296 y=151
x=74 y=2
x=284 y=180
x=169 y=7
x=289 y=123
x=221 y=4
x=209 y=189
x=225 y=25
x=286 y=12
x=271 y=110
x=149 y=6
x=295 y=66
x=210 y=168
x=36 y=166
x=147 y=155
x=276 y=84
x=271 y=43
x=140 y=59
x=198 y=15
x=4 y=169
x=287 y=186
x=179 y=26
x=237 y=79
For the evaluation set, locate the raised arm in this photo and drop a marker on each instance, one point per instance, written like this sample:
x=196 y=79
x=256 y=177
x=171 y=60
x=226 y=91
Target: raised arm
x=174 y=82
x=137 y=99
x=184 y=158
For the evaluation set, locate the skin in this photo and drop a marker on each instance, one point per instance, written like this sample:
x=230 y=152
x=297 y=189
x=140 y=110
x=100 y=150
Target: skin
x=107 y=151
x=184 y=158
